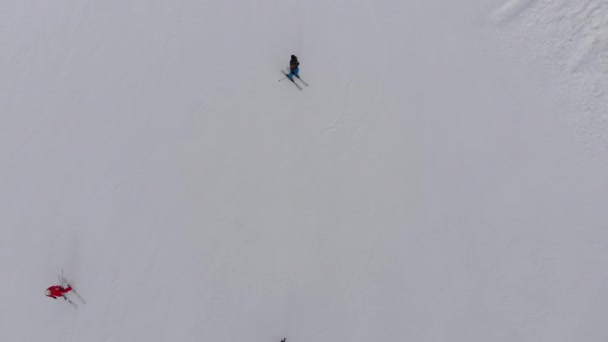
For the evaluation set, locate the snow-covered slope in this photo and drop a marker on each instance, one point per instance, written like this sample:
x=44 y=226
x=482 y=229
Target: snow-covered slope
x=425 y=187
x=570 y=38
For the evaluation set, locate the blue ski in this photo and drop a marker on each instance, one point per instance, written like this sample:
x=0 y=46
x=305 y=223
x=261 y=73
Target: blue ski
x=292 y=81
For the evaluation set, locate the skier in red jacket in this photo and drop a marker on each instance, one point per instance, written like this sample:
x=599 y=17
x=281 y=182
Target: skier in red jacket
x=57 y=291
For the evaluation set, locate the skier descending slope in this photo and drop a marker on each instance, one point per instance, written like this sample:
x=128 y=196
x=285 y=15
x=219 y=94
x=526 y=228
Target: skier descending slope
x=294 y=68
x=57 y=291
x=60 y=290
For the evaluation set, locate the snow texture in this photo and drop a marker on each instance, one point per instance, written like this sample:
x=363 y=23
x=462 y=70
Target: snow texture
x=571 y=39
x=443 y=178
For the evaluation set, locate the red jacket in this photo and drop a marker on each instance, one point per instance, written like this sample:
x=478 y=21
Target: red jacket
x=57 y=291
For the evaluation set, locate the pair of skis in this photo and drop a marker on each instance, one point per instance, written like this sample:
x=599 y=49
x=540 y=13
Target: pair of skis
x=63 y=281
x=292 y=79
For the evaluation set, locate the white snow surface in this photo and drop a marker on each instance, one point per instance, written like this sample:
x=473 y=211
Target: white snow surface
x=443 y=178
x=570 y=38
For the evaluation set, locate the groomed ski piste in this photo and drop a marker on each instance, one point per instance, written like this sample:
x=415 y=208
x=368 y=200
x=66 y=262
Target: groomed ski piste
x=442 y=177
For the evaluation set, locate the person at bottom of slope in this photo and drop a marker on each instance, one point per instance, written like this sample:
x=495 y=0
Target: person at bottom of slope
x=294 y=67
x=57 y=291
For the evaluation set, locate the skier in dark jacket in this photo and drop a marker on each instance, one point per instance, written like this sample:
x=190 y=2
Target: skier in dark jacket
x=294 y=67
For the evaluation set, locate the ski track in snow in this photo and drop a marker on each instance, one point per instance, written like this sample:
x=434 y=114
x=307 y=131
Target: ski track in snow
x=571 y=39
x=340 y=117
